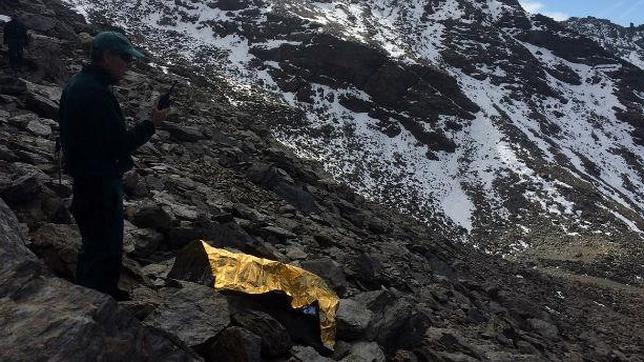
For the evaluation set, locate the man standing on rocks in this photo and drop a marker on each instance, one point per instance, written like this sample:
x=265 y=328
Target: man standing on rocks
x=16 y=38
x=97 y=147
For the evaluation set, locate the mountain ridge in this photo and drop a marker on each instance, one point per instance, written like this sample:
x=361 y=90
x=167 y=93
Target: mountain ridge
x=626 y=42
x=400 y=99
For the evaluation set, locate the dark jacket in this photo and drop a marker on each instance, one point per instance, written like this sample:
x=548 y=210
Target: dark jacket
x=94 y=137
x=15 y=33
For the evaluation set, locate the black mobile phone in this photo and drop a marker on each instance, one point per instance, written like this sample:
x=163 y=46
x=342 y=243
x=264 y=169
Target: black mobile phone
x=165 y=101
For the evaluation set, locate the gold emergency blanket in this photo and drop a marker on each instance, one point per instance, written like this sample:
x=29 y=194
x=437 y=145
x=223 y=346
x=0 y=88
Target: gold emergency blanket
x=249 y=274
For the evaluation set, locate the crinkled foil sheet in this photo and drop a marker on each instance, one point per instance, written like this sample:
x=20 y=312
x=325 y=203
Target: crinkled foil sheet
x=249 y=274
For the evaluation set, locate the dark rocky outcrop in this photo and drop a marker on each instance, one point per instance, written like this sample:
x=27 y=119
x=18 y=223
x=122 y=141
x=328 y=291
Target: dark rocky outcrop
x=194 y=313
x=45 y=317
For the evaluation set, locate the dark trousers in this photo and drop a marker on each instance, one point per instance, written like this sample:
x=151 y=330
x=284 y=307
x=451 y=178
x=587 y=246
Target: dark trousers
x=97 y=206
x=15 y=56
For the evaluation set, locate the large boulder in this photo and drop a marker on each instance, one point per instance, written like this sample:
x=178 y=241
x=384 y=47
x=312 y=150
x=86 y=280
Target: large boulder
x=12 y=86
x=48 y=318
x=396 y=322
x=352 y=319
x=149 y=215
x=275 y=340
x=365 y=352
x=21 y=190
x=58 y=246
x=133 y=184
x=307 y=354
x=43 y=100
x=280 y=182
x=330 y=270
x=194 y=313
x=234 y=344
x=183 y=133
x=140 y=242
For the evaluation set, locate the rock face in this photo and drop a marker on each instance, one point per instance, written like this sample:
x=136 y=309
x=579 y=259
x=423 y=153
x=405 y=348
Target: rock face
x=353 y=319
x=58 y=245
x=275 y=340
x=235 y=344
x=625 y=42
x=64 y=321
x=194 y=313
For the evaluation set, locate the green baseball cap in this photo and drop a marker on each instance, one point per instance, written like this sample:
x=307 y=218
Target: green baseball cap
x=112 y=40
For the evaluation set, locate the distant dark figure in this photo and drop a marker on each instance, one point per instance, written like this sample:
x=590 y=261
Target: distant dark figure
x=97 y=147
x=16 y=39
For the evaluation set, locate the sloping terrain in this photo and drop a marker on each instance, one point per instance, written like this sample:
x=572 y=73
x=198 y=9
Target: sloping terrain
x=625 y=42
x=509 y=128
x=410 y=290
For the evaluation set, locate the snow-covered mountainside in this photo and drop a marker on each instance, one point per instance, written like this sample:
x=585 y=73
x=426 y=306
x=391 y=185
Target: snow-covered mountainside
x=626 y=42
x=516 y=130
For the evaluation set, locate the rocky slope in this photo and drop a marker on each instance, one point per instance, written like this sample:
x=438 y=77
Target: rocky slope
x=410 y=291
x=625 y=42
x=509 y=128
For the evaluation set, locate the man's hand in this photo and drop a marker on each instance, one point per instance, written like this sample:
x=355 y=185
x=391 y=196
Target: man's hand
x=158 y=116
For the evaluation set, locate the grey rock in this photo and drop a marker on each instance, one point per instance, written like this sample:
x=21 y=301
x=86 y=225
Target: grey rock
x=219 y=235
x=12 y=86
x=405 y=356
x=22 y=120
x=456 y=357
x=194 y=313
x=66 y=322
x=365 y=352
x=389 y=324
x=144 y=301
x=295 y=252
x=55 y=209
x=545 y=329
x=450 y=339
x=49 y=25
x=192 y=264
x=133 y=184
x=233 y=4
x=352 y=319
x=278 y=232
x=43 y=100
x=234 y=344
x=307 y=354
x=329 y=270
x=397 y=323
x=141 y=242
x=158 y=270
x=275 y=339
x=58 y=246
x=27 y=169
x=150 y=215
x=7 y=155
x=287 y=209
x=248 y=213
x=21 y=190
x=175 y=208
x=526 y=347
x=39 y=128
x=280 y=182
x=183 y=133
